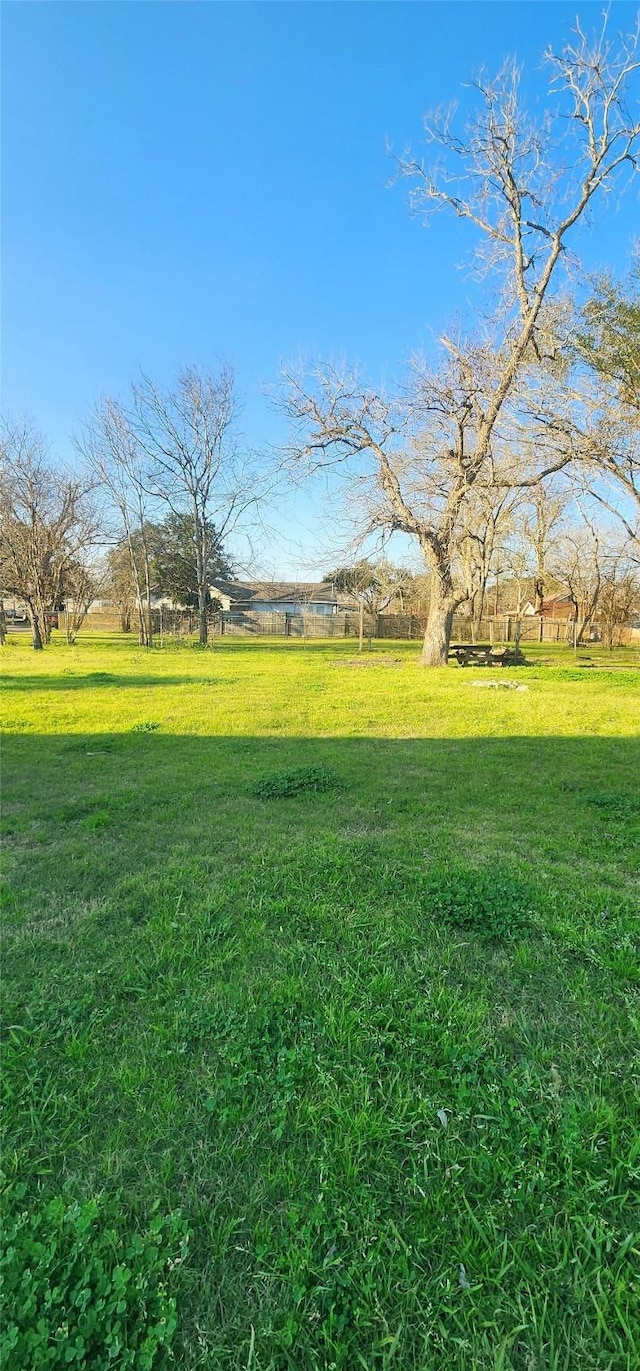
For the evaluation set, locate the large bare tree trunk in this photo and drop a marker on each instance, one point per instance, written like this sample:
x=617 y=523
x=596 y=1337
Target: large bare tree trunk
x=435 y=648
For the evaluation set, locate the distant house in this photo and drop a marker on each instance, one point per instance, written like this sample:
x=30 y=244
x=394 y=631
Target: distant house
x=280 y=597
x=555 y=607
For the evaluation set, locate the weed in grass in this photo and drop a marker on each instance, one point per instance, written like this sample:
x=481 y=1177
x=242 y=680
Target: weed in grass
x=148 y=726
x=491 y=900
x=615 y=804
x=282 y=785
x=76 y=1290
x=100 y=819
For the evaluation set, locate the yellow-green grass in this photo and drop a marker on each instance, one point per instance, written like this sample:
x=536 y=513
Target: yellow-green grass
x=376 y=1043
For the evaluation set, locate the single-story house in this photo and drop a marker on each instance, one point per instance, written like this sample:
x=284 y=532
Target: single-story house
x=280 y=597
x=555 y=607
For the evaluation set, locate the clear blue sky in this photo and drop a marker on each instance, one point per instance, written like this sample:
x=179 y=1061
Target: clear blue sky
x=189 y=181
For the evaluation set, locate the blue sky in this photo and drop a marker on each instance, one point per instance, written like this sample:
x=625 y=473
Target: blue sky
x=189 y=181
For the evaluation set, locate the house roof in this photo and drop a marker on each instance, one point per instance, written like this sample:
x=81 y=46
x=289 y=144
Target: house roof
x=275 y=592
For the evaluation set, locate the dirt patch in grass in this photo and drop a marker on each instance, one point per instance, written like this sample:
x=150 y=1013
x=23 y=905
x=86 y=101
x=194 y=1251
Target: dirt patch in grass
x=370 y=661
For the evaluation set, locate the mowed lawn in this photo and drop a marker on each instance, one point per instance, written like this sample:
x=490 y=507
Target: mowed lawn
x=320 y=1004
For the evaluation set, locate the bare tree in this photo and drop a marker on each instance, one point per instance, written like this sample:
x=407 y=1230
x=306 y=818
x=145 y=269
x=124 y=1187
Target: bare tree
x=619 y=597
x=483 y=550
x=174 y=446
x=110 y=447
x=48 y=523
x=119 y=584
x=493 y=415
x=529 y=548
x=83 y=582
x=579 y=567
x=187 y=433
x=376 y=584
x=395 y=584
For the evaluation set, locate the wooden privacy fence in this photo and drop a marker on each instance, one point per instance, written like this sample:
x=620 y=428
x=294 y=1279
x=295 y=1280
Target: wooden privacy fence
x=305 y=625
x=502 y=628
x=509 y=628
x=282 y=625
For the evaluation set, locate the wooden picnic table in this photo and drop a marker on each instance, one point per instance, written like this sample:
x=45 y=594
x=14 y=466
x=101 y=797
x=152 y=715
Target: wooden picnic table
x=484 y=654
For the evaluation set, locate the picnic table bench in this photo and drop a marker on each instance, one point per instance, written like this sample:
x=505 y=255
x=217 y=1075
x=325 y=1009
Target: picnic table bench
x=484 y=654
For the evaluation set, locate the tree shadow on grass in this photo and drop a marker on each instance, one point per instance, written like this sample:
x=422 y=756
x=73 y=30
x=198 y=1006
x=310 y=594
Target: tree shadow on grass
x=505 y=763
x=543 y=799
x=98 y=680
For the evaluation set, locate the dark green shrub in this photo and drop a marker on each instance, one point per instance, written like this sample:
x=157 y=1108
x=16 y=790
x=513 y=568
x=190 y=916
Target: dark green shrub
x=76 y=1292
x=280 y=785
x=489 y=900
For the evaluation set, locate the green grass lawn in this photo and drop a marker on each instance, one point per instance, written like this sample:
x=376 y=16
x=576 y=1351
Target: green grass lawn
x=320 y=1010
